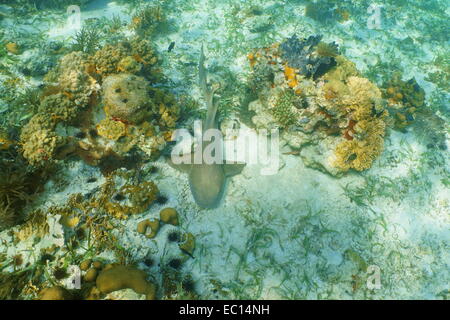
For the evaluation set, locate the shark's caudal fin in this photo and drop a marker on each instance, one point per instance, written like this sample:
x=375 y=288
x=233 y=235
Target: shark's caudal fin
x=207 y=91
x=202 y=73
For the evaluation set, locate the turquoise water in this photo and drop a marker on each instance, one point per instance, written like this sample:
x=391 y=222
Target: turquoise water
x=329 y=177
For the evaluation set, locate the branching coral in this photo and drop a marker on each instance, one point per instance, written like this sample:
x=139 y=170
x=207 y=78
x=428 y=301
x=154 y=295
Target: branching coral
x=86 y=40
x=147 y=20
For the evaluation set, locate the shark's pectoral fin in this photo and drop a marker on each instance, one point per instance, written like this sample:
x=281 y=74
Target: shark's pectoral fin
x=182 y=163
x=232 y=169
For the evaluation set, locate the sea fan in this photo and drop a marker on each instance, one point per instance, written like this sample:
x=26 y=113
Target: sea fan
x=302 y=55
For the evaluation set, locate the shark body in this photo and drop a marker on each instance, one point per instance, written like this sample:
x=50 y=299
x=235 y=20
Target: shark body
x=207 y=181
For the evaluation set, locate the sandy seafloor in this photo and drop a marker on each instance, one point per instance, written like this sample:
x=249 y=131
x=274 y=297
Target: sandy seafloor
x=298 y=234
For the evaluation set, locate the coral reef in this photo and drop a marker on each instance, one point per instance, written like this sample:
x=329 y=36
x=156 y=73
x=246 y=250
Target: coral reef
x=37 y=62
x=316 y=96
x=136 y=114
x=58 y=107
x=285 y=108
x=129 y=65
x=69 y=91
x=106 y=60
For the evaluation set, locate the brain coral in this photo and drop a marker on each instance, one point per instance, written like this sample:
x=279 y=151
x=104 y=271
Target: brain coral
x=126 y=97
x=123 y=277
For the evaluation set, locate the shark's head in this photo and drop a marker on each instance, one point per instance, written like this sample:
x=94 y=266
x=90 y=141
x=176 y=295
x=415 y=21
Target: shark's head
x=207 y=185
